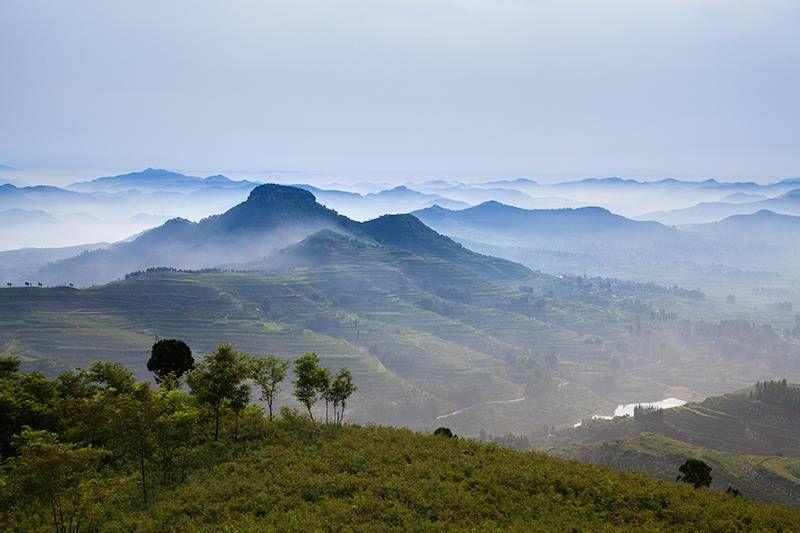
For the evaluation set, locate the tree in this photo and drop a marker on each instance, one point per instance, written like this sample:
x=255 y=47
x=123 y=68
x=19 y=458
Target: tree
x=341 y=390
x=733 y=491
x=134 y=426
x=64 y=475
x=88 y=399
x=324 y=388
x=216 y=379
x=443 y=432
x=112 y=377
x=695 y=472
x=239 y=400
x=306 y=386
x=9 y=365
x=176 y=432
x=170 y=357
x=268 y=373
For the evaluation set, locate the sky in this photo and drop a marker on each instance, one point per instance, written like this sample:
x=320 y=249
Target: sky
x=404 y=89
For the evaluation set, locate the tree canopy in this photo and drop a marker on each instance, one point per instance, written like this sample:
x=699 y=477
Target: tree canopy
x=170 y=356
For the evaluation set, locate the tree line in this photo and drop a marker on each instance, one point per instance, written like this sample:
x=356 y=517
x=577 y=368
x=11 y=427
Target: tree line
x=72 y=445
x=779 y=393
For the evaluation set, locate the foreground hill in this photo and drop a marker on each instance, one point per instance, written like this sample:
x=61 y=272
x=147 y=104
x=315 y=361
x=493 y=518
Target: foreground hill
x=308 y=477
x=752 y=443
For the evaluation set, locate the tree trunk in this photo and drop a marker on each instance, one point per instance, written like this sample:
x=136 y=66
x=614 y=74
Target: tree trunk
x=269 y=403
x=141 y=471
x=216 y=421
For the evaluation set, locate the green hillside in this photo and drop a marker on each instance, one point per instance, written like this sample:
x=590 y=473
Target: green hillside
x=428 y=337
x=752 y=443
x=308 y=477
x=93 y=450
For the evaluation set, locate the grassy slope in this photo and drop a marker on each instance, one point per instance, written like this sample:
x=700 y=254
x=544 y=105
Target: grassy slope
x=308 y=477
x=751 y=444
x=768 y=478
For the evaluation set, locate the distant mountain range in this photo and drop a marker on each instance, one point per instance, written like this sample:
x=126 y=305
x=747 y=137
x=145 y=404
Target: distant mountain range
x=399 y=199
x=581 y=229
x=595 y=241
x=156 y=179
x=787 y=203
x=761 y=227
x=272 y=218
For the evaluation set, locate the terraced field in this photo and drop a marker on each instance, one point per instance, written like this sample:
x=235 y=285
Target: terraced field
x=424 y=335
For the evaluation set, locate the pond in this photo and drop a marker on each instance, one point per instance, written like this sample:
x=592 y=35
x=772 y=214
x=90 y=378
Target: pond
x=627 y=408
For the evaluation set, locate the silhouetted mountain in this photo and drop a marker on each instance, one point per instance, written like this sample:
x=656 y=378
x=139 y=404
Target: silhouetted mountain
x=22 y=217
x=519 y=182
x=16 y=264
x=787 y=203
x=496 y=223
x=397 y=200
x=743 y=197
x=404 y=195
x=21 y=197
x=156 y=179
x=762 y=227
x=273 y=217
x=477 y=194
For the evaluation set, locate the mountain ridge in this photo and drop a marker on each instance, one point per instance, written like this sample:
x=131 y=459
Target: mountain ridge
x=272 y=218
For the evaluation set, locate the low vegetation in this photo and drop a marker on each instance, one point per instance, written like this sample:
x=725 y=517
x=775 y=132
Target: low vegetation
x=93 y=450
x=75 y=445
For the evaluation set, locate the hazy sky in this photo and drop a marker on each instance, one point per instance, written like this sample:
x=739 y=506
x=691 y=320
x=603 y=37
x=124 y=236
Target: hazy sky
x=413 y=88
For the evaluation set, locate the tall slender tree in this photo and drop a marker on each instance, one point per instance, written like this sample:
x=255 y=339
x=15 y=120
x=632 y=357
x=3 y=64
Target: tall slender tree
x=306 y=385
x=268 y=373
x=342 y=388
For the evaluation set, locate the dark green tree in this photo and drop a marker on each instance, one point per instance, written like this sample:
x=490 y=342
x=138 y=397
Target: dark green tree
x=695 y=472
x=733 y=491
x=9 y=365
x=443 y=432
x=170 y=357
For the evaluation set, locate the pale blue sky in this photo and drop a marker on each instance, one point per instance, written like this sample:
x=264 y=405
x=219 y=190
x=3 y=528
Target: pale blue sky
x=458 y=88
